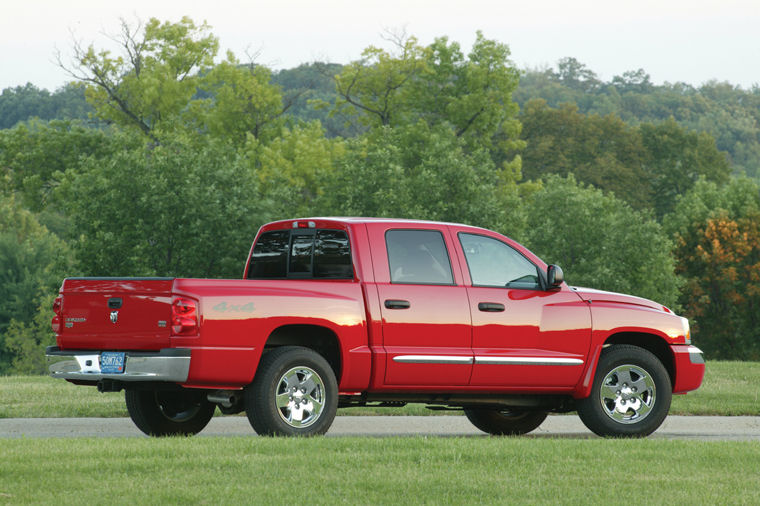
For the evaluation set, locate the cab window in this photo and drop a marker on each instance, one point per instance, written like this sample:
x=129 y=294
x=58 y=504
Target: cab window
x=418 y=257
x=494 y=263
x=302 y=253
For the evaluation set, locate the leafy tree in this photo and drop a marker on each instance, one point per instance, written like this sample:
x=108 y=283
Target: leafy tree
x=418 y=171
x=152 y=80
x=34 y=153
x=241 y=102
x=647 y=165
x=437 y=84
x=25 y=341
x=728 y=113
x=32 y=261
x=23 y=103
x=637 y=81
x=599 y=150
x=295 y=168
x=307 y=92
x=722 y=266
x=178 y=209
x=376 y=87
x=600 y=241
x=676 y=158
x=577 y=75
x=717 y=244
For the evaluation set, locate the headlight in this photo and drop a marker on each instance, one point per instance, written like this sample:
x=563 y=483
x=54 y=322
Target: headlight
x=686 y=329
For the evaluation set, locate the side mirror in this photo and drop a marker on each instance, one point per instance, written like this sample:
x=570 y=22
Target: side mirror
x=554 y=276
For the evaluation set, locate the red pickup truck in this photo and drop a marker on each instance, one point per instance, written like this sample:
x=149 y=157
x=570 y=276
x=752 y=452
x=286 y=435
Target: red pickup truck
x=339 y=312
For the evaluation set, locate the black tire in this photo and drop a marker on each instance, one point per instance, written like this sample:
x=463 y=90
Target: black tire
x=169 y=412
x=505 y=422
x=630 y=396
x=305 y=386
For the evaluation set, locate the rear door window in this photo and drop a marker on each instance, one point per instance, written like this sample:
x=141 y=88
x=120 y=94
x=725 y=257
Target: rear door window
x=418 y=257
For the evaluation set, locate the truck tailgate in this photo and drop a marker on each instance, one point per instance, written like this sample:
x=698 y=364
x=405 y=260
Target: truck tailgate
x=115 y=313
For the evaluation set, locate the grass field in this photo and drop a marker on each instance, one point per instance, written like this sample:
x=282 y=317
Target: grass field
x=729 y=388
x=377 y=471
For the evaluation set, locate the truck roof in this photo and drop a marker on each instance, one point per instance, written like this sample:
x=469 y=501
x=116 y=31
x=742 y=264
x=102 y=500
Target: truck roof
x=358 y=219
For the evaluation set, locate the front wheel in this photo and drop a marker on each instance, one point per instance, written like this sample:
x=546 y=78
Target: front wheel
x=169 y=412
x=505 y=422
x=630 y=396
x=295 y=393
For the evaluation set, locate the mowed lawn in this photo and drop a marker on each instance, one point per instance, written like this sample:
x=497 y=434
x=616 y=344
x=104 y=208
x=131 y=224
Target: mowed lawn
x=377 y=471
x=729 y=388
x=380 y=470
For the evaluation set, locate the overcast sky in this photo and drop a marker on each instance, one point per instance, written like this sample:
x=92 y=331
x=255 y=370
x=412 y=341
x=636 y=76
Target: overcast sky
x=673 y=40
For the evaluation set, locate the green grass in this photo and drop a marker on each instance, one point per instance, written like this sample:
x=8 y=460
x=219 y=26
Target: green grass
x=729 y=388
x=377 y=471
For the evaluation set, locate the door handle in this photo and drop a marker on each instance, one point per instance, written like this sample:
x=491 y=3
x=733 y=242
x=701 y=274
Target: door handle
x=397 y=304
x=491 y=307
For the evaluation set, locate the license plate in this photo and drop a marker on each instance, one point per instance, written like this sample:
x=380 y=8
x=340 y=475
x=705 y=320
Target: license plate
x=112 y=362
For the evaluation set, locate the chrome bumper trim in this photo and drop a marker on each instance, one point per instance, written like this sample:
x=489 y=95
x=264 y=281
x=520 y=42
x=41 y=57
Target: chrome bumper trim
x=170 y=364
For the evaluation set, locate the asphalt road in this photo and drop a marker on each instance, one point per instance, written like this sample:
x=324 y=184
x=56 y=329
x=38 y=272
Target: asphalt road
x=700 y=428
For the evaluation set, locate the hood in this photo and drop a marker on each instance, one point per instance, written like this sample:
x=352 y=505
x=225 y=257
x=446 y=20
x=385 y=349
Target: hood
x=590 y=294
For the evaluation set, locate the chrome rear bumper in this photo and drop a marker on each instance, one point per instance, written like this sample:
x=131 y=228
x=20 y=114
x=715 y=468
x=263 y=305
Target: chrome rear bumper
x=169 y=364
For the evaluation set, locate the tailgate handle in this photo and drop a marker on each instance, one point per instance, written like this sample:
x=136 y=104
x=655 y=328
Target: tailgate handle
x=114 y=302
x=491 y=307
x=397 y=304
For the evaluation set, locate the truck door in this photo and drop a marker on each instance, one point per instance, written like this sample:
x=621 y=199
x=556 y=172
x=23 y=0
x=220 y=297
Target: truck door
x=523 y=335
x=424 y=306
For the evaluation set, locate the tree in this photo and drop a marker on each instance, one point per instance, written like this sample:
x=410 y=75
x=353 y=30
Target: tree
x=36 y=152
x=598 y=150
x=646 y=165
x=576 y=75
x=376 y=87
x=152 y=80
x=178 y=209
x=241 y=102
x=676 y=158
x=23 y=103
x=295 y=168
x=600 y=241
x=310 y=89
x=717 y=240
x=418 y=171
x=438 y=85
x=32 y=263
x=722 y=265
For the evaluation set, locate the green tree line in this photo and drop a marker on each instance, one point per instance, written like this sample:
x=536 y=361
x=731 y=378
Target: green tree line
x=184 y=154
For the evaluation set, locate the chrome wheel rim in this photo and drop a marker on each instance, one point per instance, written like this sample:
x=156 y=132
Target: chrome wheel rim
x=628 y=394
x=300 y=397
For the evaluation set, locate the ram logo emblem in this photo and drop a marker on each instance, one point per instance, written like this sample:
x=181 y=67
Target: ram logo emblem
x=114 y=316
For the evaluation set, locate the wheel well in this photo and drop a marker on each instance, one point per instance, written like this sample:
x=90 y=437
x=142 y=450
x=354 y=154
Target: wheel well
x=651 y=343
x=320 y=339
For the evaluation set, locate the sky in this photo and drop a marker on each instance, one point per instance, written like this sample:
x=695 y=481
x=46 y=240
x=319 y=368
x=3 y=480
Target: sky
x=673 y=40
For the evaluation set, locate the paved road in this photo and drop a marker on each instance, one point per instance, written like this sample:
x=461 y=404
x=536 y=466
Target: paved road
x=703 y=428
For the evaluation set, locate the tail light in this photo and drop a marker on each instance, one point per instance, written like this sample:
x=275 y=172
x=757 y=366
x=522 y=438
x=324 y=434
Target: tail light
x=184 y=317
x=56 y=321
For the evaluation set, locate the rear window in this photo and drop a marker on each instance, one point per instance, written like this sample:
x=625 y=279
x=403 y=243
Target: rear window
x=302 y=253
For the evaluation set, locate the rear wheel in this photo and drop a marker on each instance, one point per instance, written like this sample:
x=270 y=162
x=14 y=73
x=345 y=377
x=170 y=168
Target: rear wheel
x=295 y=393
x=505 y=422
x=630 y=396
x=169 y=412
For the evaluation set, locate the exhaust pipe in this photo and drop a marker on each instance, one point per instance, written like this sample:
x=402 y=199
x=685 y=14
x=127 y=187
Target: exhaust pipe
x=225 y=398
